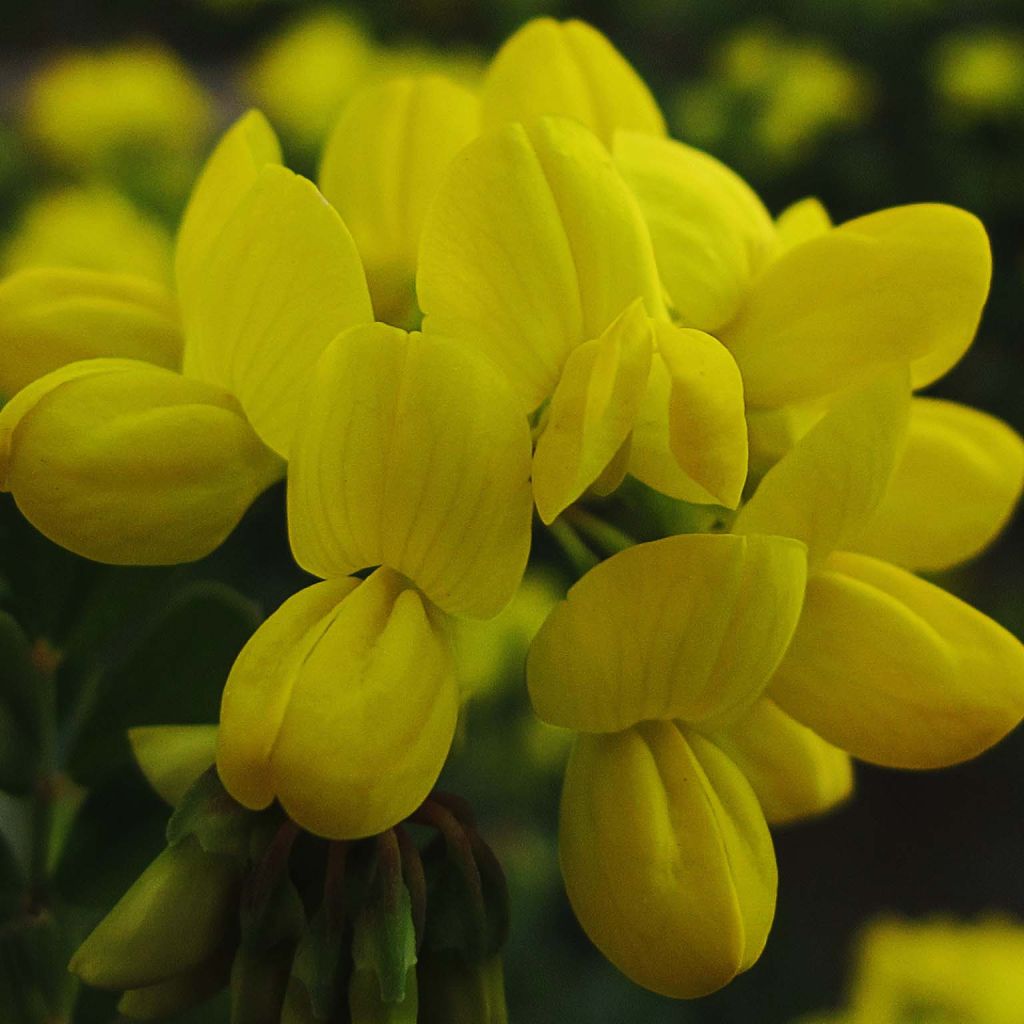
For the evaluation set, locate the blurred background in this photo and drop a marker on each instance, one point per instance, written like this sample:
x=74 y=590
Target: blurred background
x=107 y=108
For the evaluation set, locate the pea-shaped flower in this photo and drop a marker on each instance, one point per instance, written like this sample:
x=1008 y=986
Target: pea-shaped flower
x=883 y=664
x=535 y=252
x=807 y=308
x=412 y=459
x=664 y=844
x=153 y=455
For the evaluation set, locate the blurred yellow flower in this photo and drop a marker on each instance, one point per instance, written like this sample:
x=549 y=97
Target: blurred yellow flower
x=164 y=463
x=937 y=971
x=88 y=109
x=303 y=77
x=981 y=74
x=93 y=227
x=779 y=95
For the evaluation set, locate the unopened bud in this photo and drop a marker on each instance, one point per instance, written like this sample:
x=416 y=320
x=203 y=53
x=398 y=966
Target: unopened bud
x=178 y=993
x=175 y=917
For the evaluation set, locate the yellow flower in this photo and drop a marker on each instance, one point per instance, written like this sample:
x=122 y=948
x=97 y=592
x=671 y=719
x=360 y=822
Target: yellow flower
x=807 y=309
x=779 y=95
x=949 y=970
x=304 y=75
x=411 y=456
x=664 y=845
x=409 y=129
x=93 y=228
x=981 y=74
x=883 y=664
x=535 y=252
x=568 y=69
x=125 y=459
x=121 y=110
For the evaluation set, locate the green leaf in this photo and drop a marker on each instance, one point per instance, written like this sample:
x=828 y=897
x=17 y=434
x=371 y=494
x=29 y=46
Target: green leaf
x=174 y=672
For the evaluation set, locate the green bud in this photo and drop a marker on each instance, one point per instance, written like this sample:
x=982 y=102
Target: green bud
x=177 y=915
x=178 y=993
x=367 y=1006
x=453 y=991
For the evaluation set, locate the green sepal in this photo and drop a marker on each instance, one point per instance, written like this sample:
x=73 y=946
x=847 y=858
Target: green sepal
x=219 y=822
x=455 y=992
x=318 y=965
x=366 y=1005
x=384 y=936
x=272 y=919
x=461 y=920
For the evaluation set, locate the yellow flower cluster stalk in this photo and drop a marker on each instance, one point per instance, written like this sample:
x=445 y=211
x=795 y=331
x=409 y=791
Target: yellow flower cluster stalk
x=516 y=299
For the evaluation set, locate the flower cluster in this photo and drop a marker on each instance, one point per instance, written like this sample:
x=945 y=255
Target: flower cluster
x=530 y=298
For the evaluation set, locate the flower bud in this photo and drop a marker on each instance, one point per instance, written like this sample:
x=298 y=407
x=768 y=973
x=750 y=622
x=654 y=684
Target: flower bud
x=127 y=463
x=176 y=916
x=176 y=994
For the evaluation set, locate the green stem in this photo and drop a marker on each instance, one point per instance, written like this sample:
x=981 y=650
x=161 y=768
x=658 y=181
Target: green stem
x=580 y=557
x=610 y=539
x=46 y=661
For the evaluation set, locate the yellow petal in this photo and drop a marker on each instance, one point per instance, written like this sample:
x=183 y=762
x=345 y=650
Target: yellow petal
x=830 y=483
x=260 y=686
x=533 y=245
x=800 y=222
x=343 y=705
x=953 y=490
x=667 y=858
x=172 y=757
x=383 y=163
x=229 y=173
x=897 y=671
x=905 y=285
x=711 y=232
x=281 y=280
x=128 y=463
x=50 y=317
x=772 y=433
x=592 y=411
x=707 y=432
x=793 y=771
x=411 y=454
x=686 y=627
x=569 y=69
